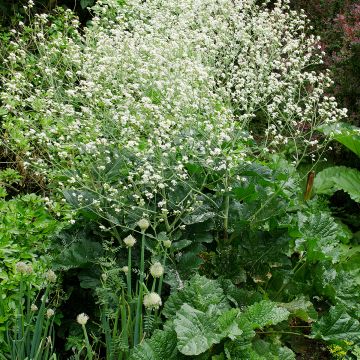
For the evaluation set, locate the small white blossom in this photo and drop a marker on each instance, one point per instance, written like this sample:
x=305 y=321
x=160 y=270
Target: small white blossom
x=82 y=319
x=156 y=270
x=152 y=300
x=167 y=243
x=23 y=268
x=143 y=224
x=50 y=276
x=125 y=269
x=130 y=241
x=33 y=307
x=50 y=313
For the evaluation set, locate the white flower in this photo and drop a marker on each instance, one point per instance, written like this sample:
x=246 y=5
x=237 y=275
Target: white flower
x=130 y=241
x=143 y=224
x=50 y=276
x=152 y=300
x=50 y=313
x=156 y=270
x=125 y=269
x=167 y=243
x=23 y=268
x=33 y=307
x=82 y=319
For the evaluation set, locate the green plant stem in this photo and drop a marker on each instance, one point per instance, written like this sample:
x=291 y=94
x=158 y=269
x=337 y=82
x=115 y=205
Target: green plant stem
x=128 y=276
x=162 y=276
x=140 y=294
x=124 y=329
x=296 y=269
x=39 y=324
x=88 y=347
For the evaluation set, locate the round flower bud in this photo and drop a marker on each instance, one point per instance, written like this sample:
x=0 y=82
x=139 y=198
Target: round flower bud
x=152 y=301
x=130 y=241
x=143 y=224
x=50 y=313
x=104 y=276
x=33 y=307
x=156 y=270
x=50 y=276
x=23 y=268
x=125 y=269
x=167 y=243
x=82 y=319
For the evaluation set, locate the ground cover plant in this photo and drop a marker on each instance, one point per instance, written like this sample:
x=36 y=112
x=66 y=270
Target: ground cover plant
x=165 y=139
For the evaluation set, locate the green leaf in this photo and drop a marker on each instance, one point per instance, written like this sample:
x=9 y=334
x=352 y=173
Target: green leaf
x=257 y=350
x=340 y=283
x=161 y=346
x=320 y=236
x=78 y=254
x=337 y=178
x=265 y=313
x=198 y=218
x=86 y=3
x=337 y=325
x=301 y=308
x=200 y=293
x=197 y=331
x=345 y=134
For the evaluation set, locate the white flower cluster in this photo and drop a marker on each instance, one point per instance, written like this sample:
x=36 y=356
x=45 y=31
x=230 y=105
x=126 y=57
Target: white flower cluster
x=154 y=86
x=152 y=301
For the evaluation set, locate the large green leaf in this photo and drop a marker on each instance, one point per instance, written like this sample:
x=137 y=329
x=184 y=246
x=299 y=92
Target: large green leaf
x=337 y=325
x=200 y=293
x=265 y=313
x=257 y=350
x=340 y=283
x=161 y=346
x=197 y=331
x=345 y=134
x=337 y=178
x=319 y=236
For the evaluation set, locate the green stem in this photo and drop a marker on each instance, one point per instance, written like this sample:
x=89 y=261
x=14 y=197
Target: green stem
x=226 y=210
x=162 y=276
x=128 y=276
x=88 y=347
x=139 y=303
x=124 y=329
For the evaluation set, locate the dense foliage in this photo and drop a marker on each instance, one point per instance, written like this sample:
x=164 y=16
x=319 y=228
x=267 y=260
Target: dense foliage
x=165 y=141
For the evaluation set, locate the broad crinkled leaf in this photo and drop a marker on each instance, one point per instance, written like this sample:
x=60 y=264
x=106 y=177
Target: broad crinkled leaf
x=319 y=236
x=301 y=308
x=257 y=350
x=341 y=283
x=265 y=313
x=197 y=331
x=337 y=178
x=161 y=346
x=337 y=325
x=200 y=293
x=345 y=134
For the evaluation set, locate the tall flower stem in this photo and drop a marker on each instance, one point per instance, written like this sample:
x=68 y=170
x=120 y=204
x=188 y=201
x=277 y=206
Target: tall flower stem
x=140 y=295
x=88 y=347
x=128 y=275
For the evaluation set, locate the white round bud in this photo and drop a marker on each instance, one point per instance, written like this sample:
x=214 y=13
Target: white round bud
x=130 y=241
x=50 y=276
x=152 y=300
x=33 y=307
x=156 y=270
x=82 y=319
x=125 y=269
x=50 y=313
x=143 y=224
x=167 y=243
x=23 y=268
